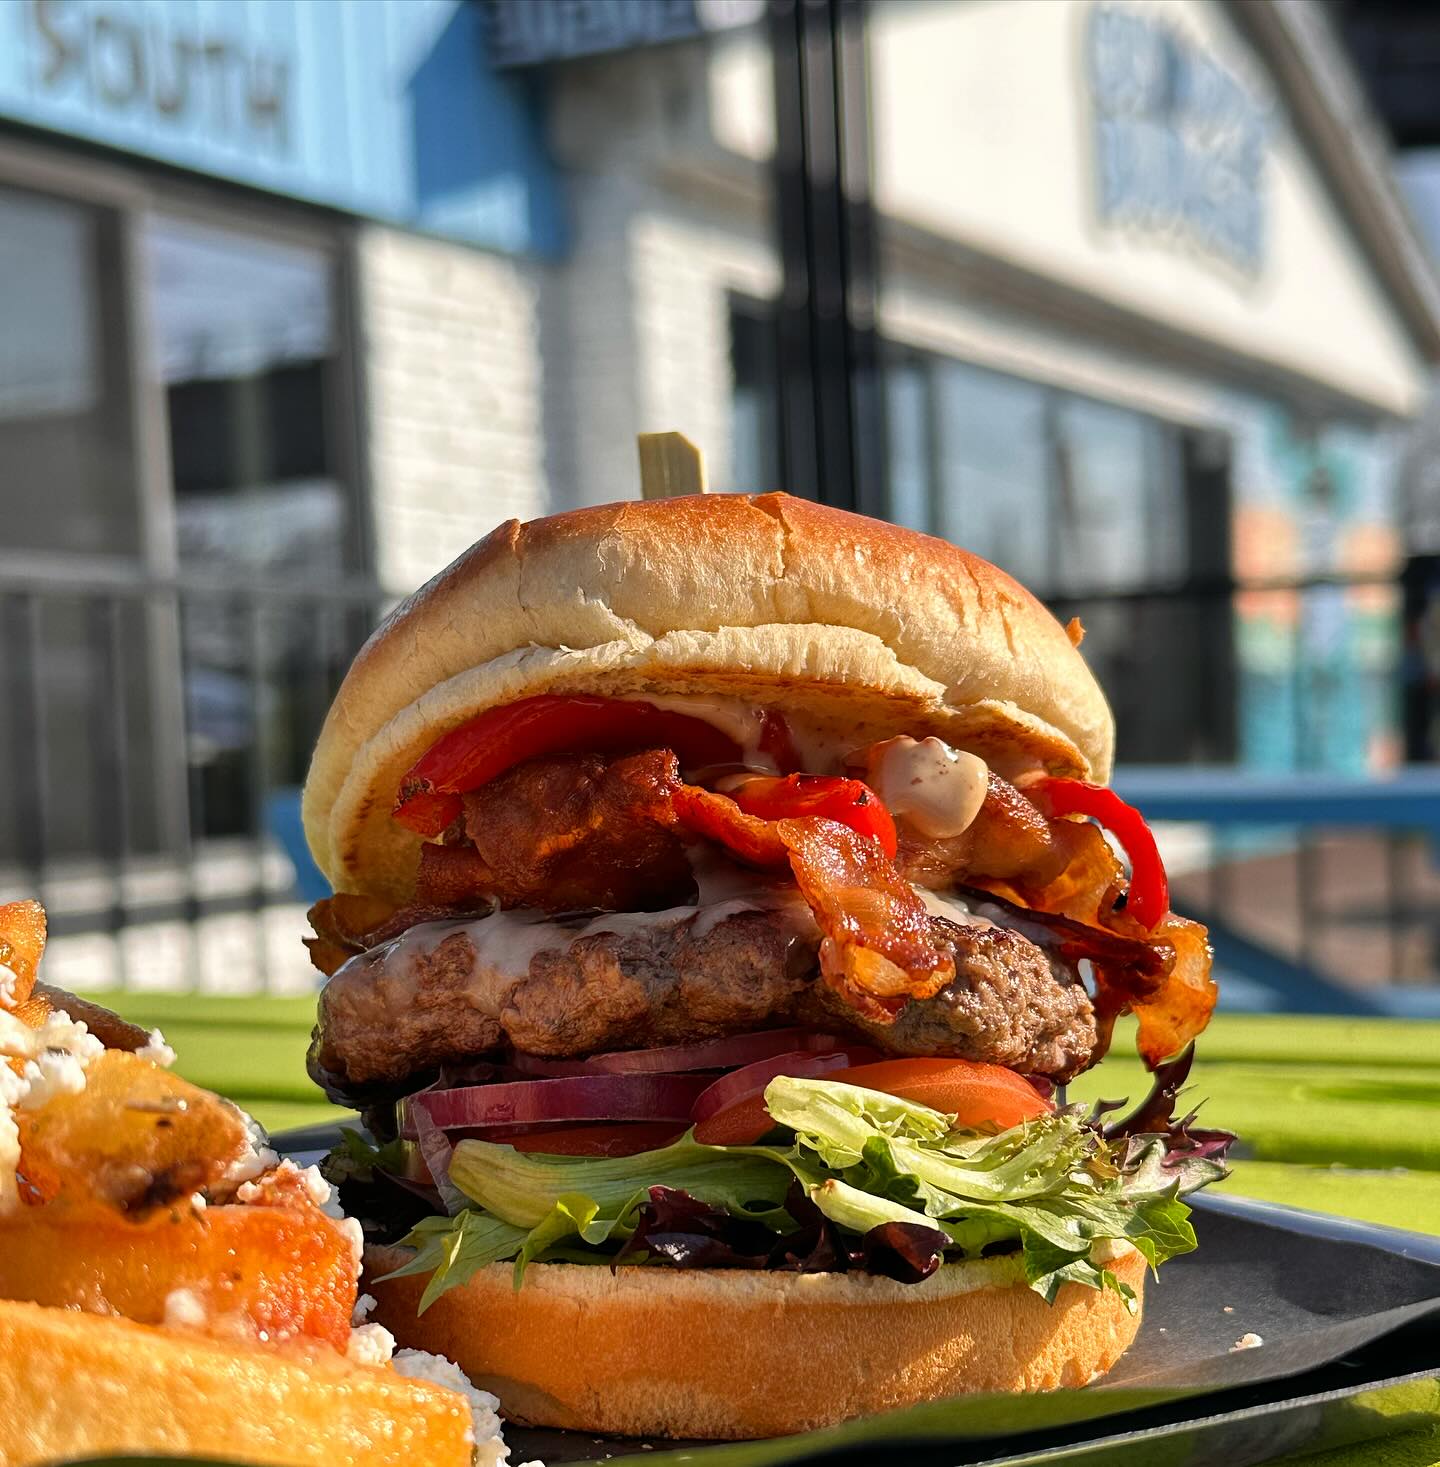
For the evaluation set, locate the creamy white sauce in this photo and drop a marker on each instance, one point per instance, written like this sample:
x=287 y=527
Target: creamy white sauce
x=734 y=717
x=819 y=752
x=937 y=789
x=505 y=943
x=938 y=904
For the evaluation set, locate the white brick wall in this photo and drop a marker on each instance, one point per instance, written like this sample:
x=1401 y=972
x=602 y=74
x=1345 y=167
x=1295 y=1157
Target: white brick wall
x=686 y=263
x=450 y=339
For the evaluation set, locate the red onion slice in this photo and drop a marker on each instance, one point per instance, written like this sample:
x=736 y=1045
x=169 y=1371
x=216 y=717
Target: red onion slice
x=741 y=1084
x=540 y=1068
x=533 y=1102
x=709 y=1054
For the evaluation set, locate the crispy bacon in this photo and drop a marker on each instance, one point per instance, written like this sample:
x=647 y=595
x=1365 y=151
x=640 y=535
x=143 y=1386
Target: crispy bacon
x=1181 y=1007
x=1163 y=977
x=1010 y=841
x=719 y=818
x=878 y=951
x=453 y=876
x=582 y=830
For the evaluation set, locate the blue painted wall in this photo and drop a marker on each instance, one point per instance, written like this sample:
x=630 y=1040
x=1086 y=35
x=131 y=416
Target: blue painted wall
x=384 y=108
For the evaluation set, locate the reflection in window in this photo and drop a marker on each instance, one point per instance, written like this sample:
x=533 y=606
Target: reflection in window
x=754 y=418
x=1121 y=501
x=243 y=337
x=907 y=408
x=994 y=499
x=244 y=343
x=65 y=452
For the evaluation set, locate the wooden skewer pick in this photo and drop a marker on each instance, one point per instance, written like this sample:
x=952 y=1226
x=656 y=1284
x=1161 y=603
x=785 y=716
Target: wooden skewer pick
x=670 y=465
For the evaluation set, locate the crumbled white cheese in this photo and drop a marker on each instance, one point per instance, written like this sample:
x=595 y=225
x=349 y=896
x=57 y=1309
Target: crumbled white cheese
x=254 y=1162
x=53 y=1073
x=1246 y=1342
x=484 y=1408
x=363 y=1305
x=55 y=1056
x=322 y=1194
x=356 y=1234
x=370 y=1344
x=156 y=1051
x=9 y=979
x=316 y=1187
x=183 y=1310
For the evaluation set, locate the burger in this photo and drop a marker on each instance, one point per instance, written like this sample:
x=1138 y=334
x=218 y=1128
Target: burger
x=726 y=889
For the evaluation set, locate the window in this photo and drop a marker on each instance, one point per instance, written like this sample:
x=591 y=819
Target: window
x=244 y=346
x=245 y=351
x=65 y=440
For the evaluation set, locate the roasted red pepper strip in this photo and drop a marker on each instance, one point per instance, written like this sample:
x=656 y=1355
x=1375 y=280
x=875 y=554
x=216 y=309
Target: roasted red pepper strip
x=1149 y=897
x=500 y=738
x=846 y=801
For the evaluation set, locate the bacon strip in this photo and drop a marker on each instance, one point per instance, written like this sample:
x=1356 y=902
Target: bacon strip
x=1180 y=1008
x=717 y=817
x=878 y=952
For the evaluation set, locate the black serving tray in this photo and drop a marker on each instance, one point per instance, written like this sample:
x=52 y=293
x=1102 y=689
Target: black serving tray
x=1349 y=1314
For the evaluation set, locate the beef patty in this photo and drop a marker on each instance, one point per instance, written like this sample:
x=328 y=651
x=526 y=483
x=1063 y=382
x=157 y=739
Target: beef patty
x=445 y=994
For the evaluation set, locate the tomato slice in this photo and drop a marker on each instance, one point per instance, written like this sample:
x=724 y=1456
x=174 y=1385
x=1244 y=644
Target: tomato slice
x=847 y=801
x=500 y=738
x=975 y=1094
x=742 y=1124
x=625 y=1140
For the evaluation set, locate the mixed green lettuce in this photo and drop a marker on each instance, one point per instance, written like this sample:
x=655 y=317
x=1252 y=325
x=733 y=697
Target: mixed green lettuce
x=864 y=1180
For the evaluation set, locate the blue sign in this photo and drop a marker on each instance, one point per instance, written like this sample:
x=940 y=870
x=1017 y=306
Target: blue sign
x=1179 y=141
x=533 y=32
x=384 y=108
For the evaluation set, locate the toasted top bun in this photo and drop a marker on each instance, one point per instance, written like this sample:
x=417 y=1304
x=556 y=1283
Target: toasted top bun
x=856 y=623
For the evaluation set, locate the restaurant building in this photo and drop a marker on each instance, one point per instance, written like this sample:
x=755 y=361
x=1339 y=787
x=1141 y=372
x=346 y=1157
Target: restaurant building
x=297 y=299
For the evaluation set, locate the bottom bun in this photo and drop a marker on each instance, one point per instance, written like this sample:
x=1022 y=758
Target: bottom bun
x=731 y=1354
x=85 y=1385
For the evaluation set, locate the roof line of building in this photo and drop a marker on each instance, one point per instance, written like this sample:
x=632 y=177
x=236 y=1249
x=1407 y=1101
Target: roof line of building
x=1328 y=103
x=1068 y=307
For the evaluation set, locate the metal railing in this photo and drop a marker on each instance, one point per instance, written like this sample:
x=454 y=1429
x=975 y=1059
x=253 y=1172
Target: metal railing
x=155 y=734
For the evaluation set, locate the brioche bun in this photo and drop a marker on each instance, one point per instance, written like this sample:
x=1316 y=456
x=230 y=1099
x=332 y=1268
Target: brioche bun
x=734 y=1354
x=857 y=624
x=83 y=1385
